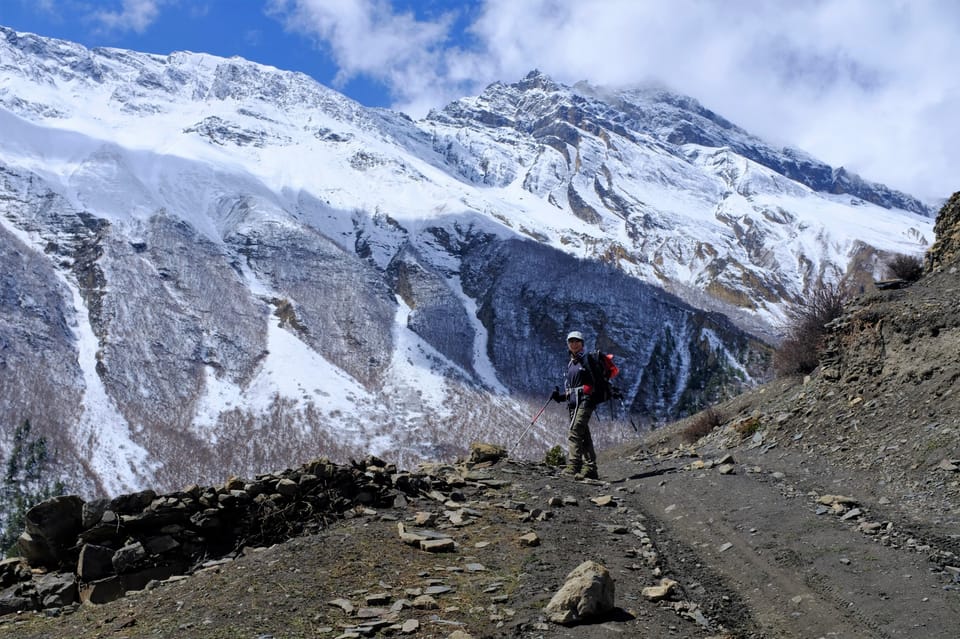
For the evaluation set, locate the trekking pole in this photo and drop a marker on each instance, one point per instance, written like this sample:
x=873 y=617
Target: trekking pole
x=532 y=422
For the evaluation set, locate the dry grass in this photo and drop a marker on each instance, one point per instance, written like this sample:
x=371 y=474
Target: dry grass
x=747 y=426
x=702 y=424
x=906 y=267
x=806 y=327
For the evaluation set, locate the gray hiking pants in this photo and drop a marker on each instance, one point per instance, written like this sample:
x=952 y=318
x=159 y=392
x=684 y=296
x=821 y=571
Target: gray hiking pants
x=582 y=456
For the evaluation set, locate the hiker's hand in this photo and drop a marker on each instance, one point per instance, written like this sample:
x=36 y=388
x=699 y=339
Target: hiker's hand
x=557 y=396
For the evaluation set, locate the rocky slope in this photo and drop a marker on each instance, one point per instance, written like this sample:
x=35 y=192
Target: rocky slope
x=823 y=506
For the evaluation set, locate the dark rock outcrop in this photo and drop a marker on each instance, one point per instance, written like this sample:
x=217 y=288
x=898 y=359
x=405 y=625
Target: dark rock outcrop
x=946 y=250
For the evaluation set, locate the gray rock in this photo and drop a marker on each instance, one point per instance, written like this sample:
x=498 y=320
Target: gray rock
x=128 y=556
x=56 y=590
x=12 y=571
x=587 y=593
x=51 y=530
x=342 y=604
x=12 y=601
x=287 y=488
x=661 y=591
x=96 y=562
x=530 y=539
x=425 y=602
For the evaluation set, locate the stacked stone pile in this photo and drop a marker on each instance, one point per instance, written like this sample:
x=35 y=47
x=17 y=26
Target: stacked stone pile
x=78 y=551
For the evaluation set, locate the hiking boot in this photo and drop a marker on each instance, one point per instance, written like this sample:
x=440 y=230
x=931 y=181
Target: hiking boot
x=587 y=474
x=570 y=471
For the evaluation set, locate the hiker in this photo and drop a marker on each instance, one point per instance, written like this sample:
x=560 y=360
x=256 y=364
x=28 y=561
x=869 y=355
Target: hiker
x=582 y=461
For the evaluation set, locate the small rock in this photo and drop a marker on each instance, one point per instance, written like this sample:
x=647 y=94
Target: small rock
x=664 y=590
x=425 y=602
x=343 y=605
x=949 y=465
x=870 y=527
x=530 y=539
x=410 y=626
x=287 y=487
x=372 y=613
x=425 y=519
x=604 y=500
x=853 y=513
x=438 y=545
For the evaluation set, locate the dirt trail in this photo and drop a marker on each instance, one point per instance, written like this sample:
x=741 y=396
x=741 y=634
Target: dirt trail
x=754 y=554
x=799 y=573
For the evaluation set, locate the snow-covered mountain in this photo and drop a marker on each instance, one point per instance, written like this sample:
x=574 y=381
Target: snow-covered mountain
x=209 y=265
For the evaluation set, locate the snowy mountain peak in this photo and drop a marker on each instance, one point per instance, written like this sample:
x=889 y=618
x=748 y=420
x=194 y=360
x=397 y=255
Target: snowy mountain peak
x=200 y=253
x=670 y=119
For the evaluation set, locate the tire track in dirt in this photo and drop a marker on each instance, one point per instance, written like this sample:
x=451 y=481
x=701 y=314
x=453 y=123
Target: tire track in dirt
x=800 y=575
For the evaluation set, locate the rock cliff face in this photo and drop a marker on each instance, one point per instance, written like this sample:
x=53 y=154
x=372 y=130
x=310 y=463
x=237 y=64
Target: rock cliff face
x=945 y=251
x=266 y=271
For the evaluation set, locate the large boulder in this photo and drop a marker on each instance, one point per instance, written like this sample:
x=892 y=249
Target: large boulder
x=587 y=593
x=51 y=532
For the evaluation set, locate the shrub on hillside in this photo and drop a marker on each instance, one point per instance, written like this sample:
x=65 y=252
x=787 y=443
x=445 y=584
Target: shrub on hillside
x=556 y=457
x=799 y=352
x=701 y=425
x=906 y=267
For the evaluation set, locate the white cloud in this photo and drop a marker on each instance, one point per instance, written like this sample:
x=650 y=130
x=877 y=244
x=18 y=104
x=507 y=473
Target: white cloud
x=134 y=15
x=367 y=37
x=865 y=84
x=870 y=85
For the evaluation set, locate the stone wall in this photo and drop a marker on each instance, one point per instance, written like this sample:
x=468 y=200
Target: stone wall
x=95 y=551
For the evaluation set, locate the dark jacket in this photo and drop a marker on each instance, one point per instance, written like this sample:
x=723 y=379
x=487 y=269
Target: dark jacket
x=578 y=375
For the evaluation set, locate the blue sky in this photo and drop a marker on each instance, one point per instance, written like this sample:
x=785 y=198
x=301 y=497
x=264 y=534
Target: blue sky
x=866 y=84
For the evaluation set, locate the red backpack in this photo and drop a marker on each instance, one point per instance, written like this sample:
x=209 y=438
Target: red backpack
x=602 y=370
